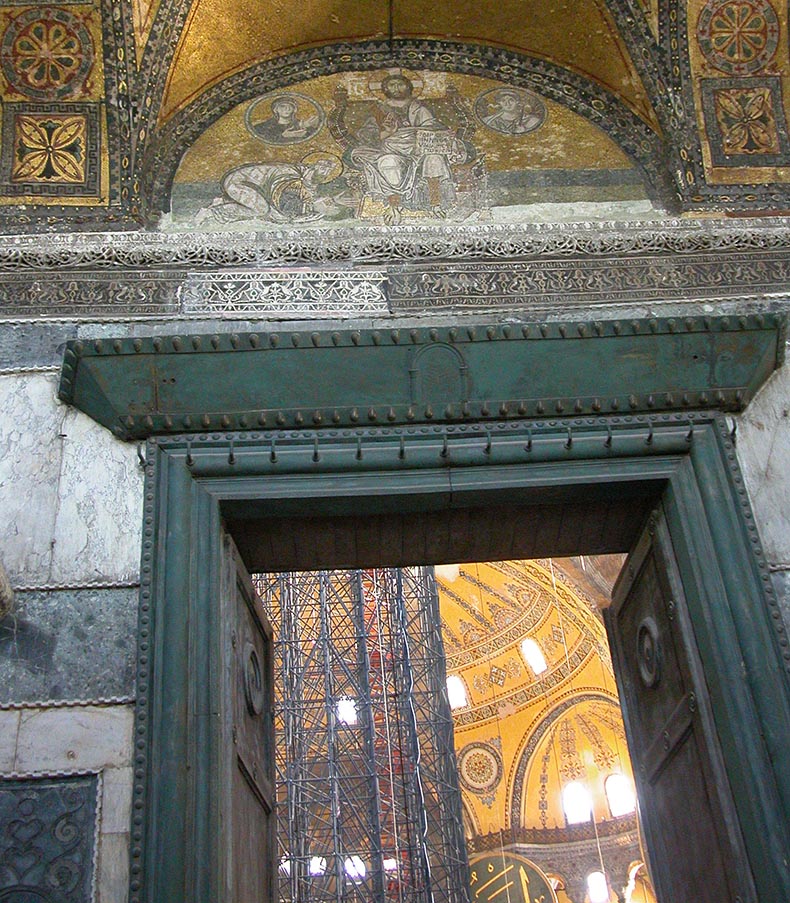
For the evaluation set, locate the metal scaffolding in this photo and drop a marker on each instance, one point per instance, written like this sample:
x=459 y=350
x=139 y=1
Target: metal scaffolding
x=369 y=806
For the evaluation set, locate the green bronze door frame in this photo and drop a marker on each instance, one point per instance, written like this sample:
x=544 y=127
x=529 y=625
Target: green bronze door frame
x=194 y=482
x=585 y=425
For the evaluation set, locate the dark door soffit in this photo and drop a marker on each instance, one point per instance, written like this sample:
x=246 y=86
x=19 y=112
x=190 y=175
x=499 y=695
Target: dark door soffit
x=138 y=387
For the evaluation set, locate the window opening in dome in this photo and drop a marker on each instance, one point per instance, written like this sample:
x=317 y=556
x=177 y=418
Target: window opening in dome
x=597 y=888
x=577 y=803
x=355 y=868
x=533 y=655
x=620 y=794
x=317 y=865
x=456 y=692
x=347 y=711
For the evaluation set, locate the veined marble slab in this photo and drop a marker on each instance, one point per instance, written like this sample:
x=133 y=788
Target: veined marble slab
x=98 y=528
x=74 y=739
x=763 y=445
x=30 y=458
x=71 y=494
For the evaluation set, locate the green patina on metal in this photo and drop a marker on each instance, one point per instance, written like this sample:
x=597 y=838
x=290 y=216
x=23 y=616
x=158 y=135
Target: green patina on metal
x=687 y=460
x=336 y=421
x=139 y=387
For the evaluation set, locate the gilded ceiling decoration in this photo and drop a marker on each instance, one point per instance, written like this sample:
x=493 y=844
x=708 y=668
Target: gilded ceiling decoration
x=576 y=34
x=682 y=102
x=739 y=61
x=143 y=13
x=536 y=720
x=515 y=707
x=52 y=78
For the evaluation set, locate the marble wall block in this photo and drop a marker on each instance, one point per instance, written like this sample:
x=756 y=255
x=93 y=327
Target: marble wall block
x=763 y=445
x=30 y=457
x=70 y=645
x=112 y=885
x=27 y=345
x=98 y=528
x=74 y=738
x=71 y=494
x=9 y=729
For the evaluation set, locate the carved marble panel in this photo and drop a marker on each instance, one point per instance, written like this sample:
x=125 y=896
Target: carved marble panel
x=48 y=839
x=297 y=294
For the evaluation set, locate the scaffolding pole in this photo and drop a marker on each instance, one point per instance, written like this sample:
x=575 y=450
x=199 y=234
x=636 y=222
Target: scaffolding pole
x=369 y=807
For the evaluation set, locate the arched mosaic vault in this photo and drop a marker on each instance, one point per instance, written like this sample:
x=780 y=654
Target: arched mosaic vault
x=147 y=76
x=634 y=135
x=583 y=730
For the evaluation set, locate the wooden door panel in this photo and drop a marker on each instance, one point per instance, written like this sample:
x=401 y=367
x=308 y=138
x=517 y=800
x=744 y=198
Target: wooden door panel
x=252 y=698
x=686 y=808
x=644 y=615
x=252 y=851
x=248 y=728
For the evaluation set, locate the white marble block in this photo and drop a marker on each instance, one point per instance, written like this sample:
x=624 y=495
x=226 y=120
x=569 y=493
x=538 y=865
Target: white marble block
x=763 y=446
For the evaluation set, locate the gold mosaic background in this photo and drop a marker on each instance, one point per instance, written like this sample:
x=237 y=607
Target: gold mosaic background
x=88 y=91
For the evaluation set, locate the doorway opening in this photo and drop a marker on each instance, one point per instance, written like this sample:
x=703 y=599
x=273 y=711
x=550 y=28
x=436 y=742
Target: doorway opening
x=372 y=789
x=690 y=609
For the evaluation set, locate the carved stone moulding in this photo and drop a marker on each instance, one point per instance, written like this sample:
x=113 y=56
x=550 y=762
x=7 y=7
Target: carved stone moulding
x=372 y=245
x=314 y=274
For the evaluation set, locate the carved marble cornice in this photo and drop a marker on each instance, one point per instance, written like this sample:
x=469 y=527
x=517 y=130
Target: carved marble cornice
x=375 y=271
x=375 y=245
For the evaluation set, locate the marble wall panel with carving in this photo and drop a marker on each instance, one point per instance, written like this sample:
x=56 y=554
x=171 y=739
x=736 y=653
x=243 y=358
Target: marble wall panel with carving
x=48 y=837
x=57 y=743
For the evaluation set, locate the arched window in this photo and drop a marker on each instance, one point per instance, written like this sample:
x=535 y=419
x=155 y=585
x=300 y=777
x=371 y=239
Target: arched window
x=347 y=711
x=576 y=803
x=355 y=868
x=533 y=656
x=597 y=888
x=317 y=865
x=620 y=795
x=456 y=692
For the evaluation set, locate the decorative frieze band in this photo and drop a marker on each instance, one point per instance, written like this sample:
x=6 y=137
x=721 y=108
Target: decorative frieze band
x=373 y=272
x=589 y=281
x=371 y=245
x=320 y=294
